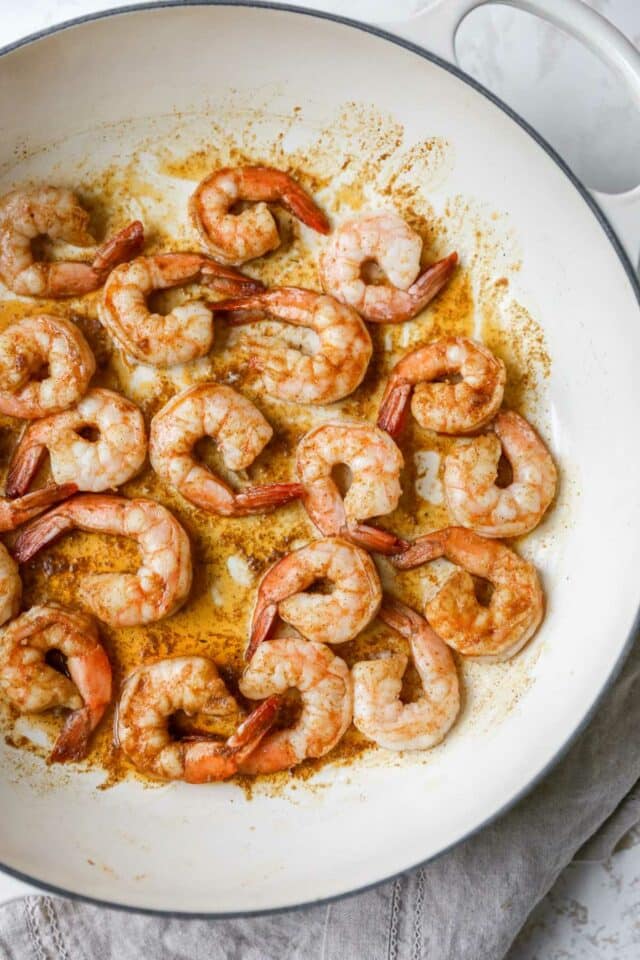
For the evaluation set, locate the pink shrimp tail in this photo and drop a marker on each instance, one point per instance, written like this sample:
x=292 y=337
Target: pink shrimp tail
x=394 y=408
x=306 y=210
x=267 y=497
x=422 y=550
x=73 y=741
x=26 y=508
x=263 y=622
x=228 y=280
x=23 y=467
x=39 y=533
x=122 y=247
x=252 y=730
x=430 y=283
x=399 y=616
x=373 y=538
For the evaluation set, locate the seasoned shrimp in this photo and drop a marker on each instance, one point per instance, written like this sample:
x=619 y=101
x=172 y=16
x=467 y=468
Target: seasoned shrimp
x=378 y=711
x=37 y=345
x=33 y=686
x=153 y=693
x=95 y=463
x=181 y=335
x=13 y=513
x=460 y=407
x=10 y=586
x=470 y=475
x=387 y=240
x=326 y=694
x=236 y=238
x=495 y=631
x=163 y=580
x=55 y=212
x=327 y=618
x=213 y=410
x=331 y=372
x=375 y=464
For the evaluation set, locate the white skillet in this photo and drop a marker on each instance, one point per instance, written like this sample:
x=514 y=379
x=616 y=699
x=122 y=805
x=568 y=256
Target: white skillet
x=208 y=850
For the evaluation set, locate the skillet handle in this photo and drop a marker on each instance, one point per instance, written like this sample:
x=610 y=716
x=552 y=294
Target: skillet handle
x=435 y=29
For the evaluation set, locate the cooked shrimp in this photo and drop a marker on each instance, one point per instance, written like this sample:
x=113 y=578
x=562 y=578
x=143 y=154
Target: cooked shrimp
x=181 y=335
x=387 y=240
x=13 y=513
x=460 y=407
x=213 y=410
x=33 y=686
x=37 y=345
x=375 y=464
x=10 y=586
x=328 y=618
x=153 y=693
x=495 y=631
x=95 y=463
x=378 y=711
x=470 y=476
x=55 y=212
x=236 y=238
x=163 y=580
x=331 y=372
x=326 y=694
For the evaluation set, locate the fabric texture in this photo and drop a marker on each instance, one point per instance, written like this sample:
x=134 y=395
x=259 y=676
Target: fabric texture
x=469 y=903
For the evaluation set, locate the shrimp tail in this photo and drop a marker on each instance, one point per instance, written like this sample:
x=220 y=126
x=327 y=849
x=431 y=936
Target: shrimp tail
x=431 y=282
x=238 y=304
x=422 y=550
x=73 y=740
x=227 y=280
x=394 y=408
x=120 y=248
x=399 y=616
x=263 y=622
x=41 y=532
x=373 y=538
x=15 y=512
x=252 y=730
x=266 y=497
x=23 y=467
x=300 y=204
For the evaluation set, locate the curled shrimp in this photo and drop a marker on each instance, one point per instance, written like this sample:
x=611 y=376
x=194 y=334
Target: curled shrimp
x=460 y=407
x=10 y=586
x=183 y=334
x=236 y=238
x=153 y=693
x=36 y=344
x=161 y=584
x=374 y=463
x=471 y=470
x=98 y=463
x=378 y=711
x=495 y=631
x=327 y=618
x=55 y=212
x=33 y=686
x=326 y=694
x=217 y=411
x=383 y=238
x=332 y=371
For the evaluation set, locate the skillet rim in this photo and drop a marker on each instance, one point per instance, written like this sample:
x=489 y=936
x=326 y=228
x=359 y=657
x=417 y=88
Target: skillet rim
x=635 y=285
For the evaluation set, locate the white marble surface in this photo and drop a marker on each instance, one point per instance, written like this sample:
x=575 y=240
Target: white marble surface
x=594 y=909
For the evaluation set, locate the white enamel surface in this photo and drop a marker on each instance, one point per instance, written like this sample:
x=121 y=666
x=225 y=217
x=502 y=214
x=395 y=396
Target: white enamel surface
x=209 y=849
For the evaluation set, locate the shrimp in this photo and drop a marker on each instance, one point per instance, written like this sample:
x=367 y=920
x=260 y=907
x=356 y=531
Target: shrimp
x=10 y=586
x=183 y=334
x=327 y=618
x=43 y=345
x=326 y=694
x=153 y=693
x=161 y=584
x=495 y=631
x=13 y=513
x=375 y=464
x=460 y=407
x=95 y=463
x=471 y=470
x=55 y=212
x=33 y=686
x=332 y=371
x=213 y=410
x=236 y=238
x=378 y=711
x=387 y=240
